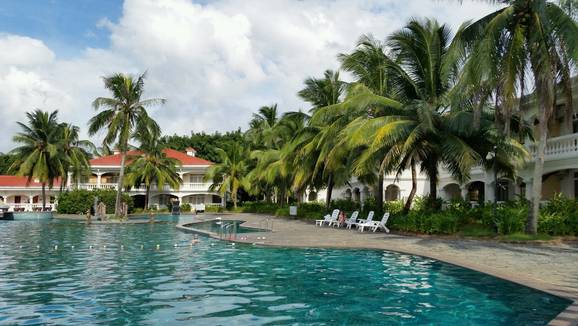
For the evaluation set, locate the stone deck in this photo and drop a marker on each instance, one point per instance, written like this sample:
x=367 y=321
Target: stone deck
x=548 y=267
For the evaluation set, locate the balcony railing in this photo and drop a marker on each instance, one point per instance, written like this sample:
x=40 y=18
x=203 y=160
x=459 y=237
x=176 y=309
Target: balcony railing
x=29 y=207
x=559 y=147
x=187 y=186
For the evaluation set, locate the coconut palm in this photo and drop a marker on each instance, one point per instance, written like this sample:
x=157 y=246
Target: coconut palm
x=532 y=39
x=228 y=175
x=369 y=64
x=316 y=142
x=38 y=155
x=122 y=114
x=152 y=166
x=76 y=153
x=260 y=132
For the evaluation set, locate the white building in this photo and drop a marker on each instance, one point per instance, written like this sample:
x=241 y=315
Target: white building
x=18 y=194
x=560 y=171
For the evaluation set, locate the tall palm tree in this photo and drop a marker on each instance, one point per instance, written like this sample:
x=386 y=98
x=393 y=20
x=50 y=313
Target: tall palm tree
x=527 y=39
x=38 y=155
x=122 y=114
x=260 y=132
x=228 y=175
x=317 y=141
x=152 y=166
x=76 y=153
x=369 y=64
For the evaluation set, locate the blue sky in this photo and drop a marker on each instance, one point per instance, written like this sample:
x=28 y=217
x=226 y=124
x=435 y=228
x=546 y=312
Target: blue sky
x=215 y=62
x=66 y=26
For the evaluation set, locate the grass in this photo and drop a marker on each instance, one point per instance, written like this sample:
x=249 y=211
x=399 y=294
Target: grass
x=526 y=237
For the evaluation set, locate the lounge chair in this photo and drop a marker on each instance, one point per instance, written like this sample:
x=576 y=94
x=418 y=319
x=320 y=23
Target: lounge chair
x=352 y=220
x=328 y=219
x=376 y=225
x=336 y=222
x=369 y=219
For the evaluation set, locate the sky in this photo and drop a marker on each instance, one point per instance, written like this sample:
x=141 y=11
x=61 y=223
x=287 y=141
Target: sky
x=215 y=62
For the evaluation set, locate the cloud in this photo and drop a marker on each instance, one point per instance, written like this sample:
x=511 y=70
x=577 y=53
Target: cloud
x=215 y=63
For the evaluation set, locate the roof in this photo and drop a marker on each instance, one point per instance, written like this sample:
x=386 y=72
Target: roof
x=15 y=181
x=114 y=160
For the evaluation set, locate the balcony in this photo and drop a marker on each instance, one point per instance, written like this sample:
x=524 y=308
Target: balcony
x=559 y=147
x=188 y=186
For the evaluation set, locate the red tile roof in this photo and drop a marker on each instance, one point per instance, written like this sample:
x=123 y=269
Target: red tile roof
x=14 y=181
x=114 y=160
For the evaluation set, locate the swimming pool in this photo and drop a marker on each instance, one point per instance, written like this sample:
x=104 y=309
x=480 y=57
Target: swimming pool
x=216 y=226
x=124 y=279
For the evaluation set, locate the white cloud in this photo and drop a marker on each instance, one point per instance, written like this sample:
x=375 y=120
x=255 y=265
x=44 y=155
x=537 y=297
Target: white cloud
x=214 y=63
x=22 y=50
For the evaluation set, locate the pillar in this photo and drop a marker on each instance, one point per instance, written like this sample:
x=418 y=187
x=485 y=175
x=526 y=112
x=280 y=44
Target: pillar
x=98 y=179
x=464 y=190
x=69 y=180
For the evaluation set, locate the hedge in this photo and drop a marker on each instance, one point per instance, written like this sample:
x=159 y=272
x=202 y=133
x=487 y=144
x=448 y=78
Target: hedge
x=79 y=201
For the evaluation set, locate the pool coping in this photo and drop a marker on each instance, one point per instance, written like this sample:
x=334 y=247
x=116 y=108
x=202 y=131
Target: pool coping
x=567 y=317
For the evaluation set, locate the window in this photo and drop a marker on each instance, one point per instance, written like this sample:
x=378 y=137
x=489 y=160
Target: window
x=576 y=185
x=502 y=191
x=575 y=122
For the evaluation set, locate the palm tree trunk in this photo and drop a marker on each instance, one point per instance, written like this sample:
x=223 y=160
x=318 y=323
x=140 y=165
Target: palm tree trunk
x=147 y=196
x=407 y=206
x=43 y=196
x=379 y=194
x=234 y=197
x=329 y=191
x=117 y=209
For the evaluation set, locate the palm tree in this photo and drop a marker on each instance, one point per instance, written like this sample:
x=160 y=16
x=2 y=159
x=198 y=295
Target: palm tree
x=526 y=39
x=38 y=157
x=76 y=153
x=369 y=64
x=122 y=114
x=260 y=132
x=152 y=166
x=228 y=175
x=317 y=141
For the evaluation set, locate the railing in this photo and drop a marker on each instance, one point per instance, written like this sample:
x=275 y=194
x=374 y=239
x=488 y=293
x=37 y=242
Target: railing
x=29 y=207
x=562 y=146
x=188 y=186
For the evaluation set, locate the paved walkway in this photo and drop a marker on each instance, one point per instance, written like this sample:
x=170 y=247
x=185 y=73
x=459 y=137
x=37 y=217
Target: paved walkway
x=552 y=268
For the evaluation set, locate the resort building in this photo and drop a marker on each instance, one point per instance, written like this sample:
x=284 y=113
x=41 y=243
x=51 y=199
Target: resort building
x=560 y=169
x=18 y=194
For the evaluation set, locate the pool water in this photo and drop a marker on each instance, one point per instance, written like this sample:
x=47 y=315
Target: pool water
x=215 y=226
x=134 y=275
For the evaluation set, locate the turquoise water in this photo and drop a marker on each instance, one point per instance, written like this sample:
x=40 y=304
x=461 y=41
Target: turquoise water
x=215 y=226
x=125 y=280
x=33 y=216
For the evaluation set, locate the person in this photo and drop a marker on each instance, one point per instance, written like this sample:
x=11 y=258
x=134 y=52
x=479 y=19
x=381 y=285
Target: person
x=89 y=217
x=342 y=217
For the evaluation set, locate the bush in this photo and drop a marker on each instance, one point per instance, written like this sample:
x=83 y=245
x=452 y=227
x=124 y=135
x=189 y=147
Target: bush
x=79 y=201
x=559 y=216
x=510 y=220
x=214 y=209
x=345 y=205
x=185 y=208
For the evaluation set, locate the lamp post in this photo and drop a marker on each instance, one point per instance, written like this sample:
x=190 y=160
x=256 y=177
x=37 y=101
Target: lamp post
x=492 y=156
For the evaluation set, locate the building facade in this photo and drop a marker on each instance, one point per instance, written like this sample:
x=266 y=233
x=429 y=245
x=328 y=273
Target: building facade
x=560 y=169
x=20 y=195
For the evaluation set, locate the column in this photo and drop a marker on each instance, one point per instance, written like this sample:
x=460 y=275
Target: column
x=69 y=180
x=465 y=191
x=98 y=179
x=529 y=188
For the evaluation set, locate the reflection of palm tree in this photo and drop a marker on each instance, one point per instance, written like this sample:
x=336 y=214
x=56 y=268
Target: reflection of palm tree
x=38 y=156
x=124 y=113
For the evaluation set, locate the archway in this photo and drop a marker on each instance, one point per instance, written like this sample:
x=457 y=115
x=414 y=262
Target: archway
x=356 y=195
x=452 y=191
x=476 y=192
x=312 y=196
x=348 y=194
x=391 y=193
x=139 y=201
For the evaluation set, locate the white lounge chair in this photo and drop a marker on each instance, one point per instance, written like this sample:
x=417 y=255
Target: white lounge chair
x=369 y=219
x=376 y=225
x=352 y=220
x=328 y=219
x=336 y=222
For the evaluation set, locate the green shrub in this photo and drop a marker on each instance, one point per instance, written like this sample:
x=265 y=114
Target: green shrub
x=345 y=205
x=510 y=220
x=214 y=209
x=186 y=207
x=559 y=216
x=555 y=224
x=79 y=201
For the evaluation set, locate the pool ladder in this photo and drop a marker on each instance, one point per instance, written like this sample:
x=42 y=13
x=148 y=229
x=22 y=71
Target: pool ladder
x=228 y=231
